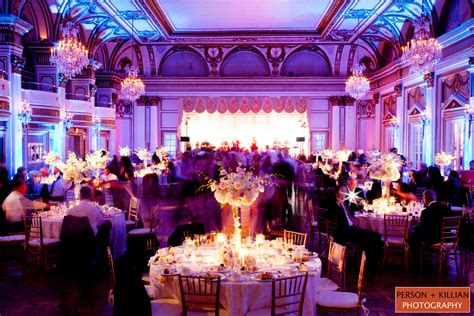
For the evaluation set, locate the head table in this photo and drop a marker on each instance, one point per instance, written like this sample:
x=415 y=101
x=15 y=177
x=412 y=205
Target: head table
x=52 y=222
x=246 y=271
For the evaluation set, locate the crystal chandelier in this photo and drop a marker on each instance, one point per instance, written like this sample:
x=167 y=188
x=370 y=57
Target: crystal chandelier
x=25 y=114
x=68 y=123
x=132 y=86
x=357 y=85
x=69 y=54
x=422 y=52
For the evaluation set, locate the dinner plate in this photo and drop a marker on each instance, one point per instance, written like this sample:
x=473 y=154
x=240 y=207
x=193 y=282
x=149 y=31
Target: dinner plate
x=257 y=277
x=212 y=275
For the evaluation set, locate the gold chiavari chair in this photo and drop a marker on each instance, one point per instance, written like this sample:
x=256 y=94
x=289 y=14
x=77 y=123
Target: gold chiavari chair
x=294 y=238
x=344 y=302
x=396 y=237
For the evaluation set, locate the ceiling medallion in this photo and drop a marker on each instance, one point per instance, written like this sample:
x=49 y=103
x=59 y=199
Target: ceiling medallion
x=423 y=52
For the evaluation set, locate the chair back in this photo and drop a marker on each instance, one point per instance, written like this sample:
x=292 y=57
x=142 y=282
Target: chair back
x=200 y=294
x=70 y=196
x=321 y=214
x=288 y=295
x=450 y=230
x=360 y=281
x=110 y=260
x=331 y=227
x=337 y=263
x=33 y=228
x=294 y=238
x=109 y=199
x=395 y=225
x=310 y=212
x=133 y=209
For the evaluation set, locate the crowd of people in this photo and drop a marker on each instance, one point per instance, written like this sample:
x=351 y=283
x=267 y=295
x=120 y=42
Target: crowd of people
x=272 y=210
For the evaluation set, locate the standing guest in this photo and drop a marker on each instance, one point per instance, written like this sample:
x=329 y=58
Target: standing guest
x=87 y=208
x=431 y=222
x=20 y=174
x=58 y=187
x=108 y=176
x=347 y=230
x=114 y=166
x=16 y=205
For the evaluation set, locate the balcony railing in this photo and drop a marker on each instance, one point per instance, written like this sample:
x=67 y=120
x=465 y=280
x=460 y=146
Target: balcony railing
x=38 y=86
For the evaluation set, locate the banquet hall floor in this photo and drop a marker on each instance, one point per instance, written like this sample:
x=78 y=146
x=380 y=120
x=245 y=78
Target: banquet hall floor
x=53 y=293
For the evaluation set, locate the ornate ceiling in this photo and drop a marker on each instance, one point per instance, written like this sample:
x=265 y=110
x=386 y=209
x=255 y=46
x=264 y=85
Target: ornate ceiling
x=337 y=28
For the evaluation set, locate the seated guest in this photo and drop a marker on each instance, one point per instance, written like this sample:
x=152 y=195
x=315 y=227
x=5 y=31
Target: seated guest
x=431 y=222
x=467 y=176
x=16 y=205
x=356 y=195
x=58 y=187
x=108 y=176
x=347 y=231
x=86 y=208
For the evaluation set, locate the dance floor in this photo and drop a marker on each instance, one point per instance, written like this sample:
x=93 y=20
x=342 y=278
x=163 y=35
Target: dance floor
x=53 y=293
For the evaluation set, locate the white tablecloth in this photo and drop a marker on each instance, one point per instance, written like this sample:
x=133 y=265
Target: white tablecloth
x=373 y=223
x=239 y=298
x=118 y=234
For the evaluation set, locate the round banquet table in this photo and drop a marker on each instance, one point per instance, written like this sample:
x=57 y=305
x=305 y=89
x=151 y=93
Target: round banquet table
x=238 y=298
x=118 y=235
x=375 y=223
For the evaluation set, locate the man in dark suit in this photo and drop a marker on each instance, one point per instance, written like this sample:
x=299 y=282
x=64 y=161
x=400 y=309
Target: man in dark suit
x=347 y=230
x=431 y=222
x=356 y=195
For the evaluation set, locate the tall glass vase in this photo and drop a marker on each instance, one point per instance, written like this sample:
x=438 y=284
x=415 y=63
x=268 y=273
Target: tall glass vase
x=237 y=236
x=77 y=189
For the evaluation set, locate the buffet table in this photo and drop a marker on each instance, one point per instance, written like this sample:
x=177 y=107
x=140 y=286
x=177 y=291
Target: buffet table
x=52 y=222
x=242 y=289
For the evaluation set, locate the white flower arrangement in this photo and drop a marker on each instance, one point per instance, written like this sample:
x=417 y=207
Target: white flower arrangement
x=51 y=158
x=74 y=168
x=342 y=155
x=327 y=154
x=443 y=159
x=161 y=153
x=97 y=159
x=385 y=167
x=124 y=151
x=143 y=154
x=237 y=188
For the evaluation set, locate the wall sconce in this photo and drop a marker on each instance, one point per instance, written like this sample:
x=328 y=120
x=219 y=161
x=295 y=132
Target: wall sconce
x=25 y=114
x=424 y=121
x=96 y=125
x=68 y=120
x=469 y=114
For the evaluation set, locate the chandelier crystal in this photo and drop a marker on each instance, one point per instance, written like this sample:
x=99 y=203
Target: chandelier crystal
x=422 y=52
x=69 y=54
x=132 y=86
x=357 y=85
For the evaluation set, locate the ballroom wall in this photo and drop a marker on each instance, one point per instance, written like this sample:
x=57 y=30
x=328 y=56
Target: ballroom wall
x=389 y=115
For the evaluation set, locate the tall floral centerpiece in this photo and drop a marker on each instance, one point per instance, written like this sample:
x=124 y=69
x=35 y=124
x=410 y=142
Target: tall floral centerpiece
x=144 y=154
x=342 y=155
x=237 y=189
x=443 y=159
x=385 y=167
x=52 y=159
x=162 y=154
x=124 y=151
x=327 y=154
x=97 y=160
x=74 y=169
